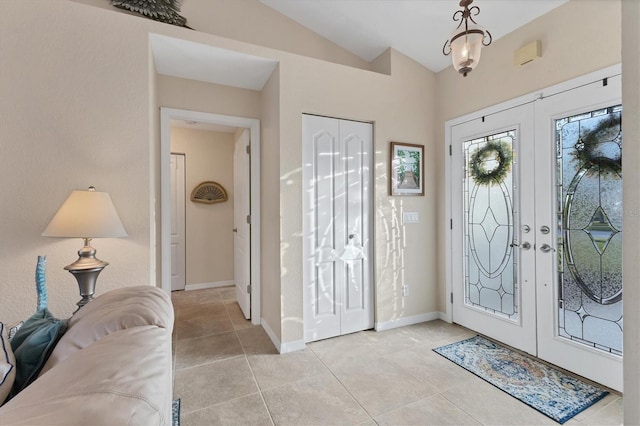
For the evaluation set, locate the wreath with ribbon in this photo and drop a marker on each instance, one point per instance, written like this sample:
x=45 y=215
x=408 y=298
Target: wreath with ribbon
x=493 y=150
x=589 y=149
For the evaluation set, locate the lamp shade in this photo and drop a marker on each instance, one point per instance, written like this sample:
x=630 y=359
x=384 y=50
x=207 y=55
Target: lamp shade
x=86 y=214
x=466 y=46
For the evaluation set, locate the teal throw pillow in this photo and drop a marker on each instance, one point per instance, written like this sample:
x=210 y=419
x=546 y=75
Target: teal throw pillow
x=32 y=346
x=7 y=364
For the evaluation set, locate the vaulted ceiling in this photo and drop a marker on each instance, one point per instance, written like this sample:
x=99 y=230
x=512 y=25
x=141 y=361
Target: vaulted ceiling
x=417 y=28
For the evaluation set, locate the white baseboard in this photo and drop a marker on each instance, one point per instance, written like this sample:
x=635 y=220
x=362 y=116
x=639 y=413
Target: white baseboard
x=202 y=286
x=282 y=348
x=294 y=346
x=404 y=321
x=444 y=317
x=270 y=333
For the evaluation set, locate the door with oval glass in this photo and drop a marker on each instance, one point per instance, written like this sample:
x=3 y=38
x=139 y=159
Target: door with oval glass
x=579 y=196
x=537 y=258
x=493 y=216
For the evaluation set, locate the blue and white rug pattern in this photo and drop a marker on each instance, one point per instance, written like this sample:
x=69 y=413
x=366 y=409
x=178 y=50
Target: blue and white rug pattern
x=175 y=412
x=551 y=391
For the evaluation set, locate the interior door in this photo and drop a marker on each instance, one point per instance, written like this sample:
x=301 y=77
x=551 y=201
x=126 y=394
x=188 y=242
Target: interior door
x=178 y=223
x=242 y=226
x=493 y=260
x=579 y=232
x=336 y=225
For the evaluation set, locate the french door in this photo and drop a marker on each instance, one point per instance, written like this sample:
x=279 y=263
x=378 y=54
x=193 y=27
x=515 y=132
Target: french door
x=580 y=276
x=493 y=172
x=537 y=228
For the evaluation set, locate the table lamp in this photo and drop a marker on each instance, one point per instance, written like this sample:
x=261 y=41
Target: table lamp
x=87 y=215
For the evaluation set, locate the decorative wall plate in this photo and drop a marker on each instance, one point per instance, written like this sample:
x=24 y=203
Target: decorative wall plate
x=208 y=193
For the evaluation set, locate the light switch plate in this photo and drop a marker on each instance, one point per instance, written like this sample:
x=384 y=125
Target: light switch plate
x=410 y=217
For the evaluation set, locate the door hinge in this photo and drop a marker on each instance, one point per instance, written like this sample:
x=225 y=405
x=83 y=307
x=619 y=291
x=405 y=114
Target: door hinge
x=450 y=223
x=450 y=150
x=248 y=288
x=452 y=298
x=248 y=149
x=249 y=219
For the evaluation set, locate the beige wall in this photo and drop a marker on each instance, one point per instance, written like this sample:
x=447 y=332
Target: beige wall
x=270 y=266
x=209 y=236
x=570 y=48
x=303 y=85
x=253 y=22
x=70 y=119
x=631 y=159
x=402 y=109
x=194 y=95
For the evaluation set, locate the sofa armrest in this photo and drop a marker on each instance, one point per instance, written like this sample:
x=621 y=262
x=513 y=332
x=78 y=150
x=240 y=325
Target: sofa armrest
x=113 y=311
x=124 y=378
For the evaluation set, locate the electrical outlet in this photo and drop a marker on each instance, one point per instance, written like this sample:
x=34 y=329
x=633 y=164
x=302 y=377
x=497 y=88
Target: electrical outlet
x=405 y=290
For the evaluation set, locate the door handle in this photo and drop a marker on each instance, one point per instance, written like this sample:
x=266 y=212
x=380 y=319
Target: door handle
x=525 y=245
x=546 y=248
x=235 y=229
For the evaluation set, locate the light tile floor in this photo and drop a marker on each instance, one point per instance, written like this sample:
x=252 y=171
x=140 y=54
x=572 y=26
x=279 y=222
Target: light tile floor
x=227 y=372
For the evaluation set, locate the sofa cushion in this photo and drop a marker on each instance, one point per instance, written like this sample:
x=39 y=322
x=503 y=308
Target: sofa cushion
x=122 y=379
x=32 y=346
x=7 y=364
x=111 y=312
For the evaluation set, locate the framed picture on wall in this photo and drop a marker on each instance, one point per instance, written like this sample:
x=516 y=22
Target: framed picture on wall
x=406 y=169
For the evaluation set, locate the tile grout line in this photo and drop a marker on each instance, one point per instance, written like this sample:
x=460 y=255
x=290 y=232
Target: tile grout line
x=343 y=386
x=264 y=401
x=461 y=408
x=253 y=375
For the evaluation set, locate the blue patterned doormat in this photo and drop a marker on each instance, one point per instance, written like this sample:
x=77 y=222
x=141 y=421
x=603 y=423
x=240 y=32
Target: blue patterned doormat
x=175 y=412
x=554 y=393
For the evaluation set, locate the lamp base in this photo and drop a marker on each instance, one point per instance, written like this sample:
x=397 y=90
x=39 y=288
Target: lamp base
x=86 y=270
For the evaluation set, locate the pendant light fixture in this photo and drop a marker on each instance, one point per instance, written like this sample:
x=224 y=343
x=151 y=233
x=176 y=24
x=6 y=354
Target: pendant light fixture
x=465 y=44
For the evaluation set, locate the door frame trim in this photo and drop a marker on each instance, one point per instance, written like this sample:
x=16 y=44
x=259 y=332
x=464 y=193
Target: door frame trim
x=573 y=83
x=253 y=124
x=183 y=253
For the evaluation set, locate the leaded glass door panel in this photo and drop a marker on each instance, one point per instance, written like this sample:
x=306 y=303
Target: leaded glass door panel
x=579 y=198
x=536 y=252
x=493 y=209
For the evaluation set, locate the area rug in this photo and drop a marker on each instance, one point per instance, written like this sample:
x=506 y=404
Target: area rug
x=552 y=392
x=175 y=412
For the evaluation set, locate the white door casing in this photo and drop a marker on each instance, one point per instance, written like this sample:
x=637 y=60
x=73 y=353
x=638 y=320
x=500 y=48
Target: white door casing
x=241 y=226
x=166 y=115
x=336 y=226
x=178 y=223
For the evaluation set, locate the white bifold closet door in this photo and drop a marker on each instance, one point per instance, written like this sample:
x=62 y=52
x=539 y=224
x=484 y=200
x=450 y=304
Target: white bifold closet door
x=336 y=176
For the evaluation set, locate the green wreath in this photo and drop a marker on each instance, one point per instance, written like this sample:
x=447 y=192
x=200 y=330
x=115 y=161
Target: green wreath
x=501 y=152
x=588 y=152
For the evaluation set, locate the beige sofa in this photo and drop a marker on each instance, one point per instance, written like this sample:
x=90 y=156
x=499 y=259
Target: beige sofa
x=111 y=367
